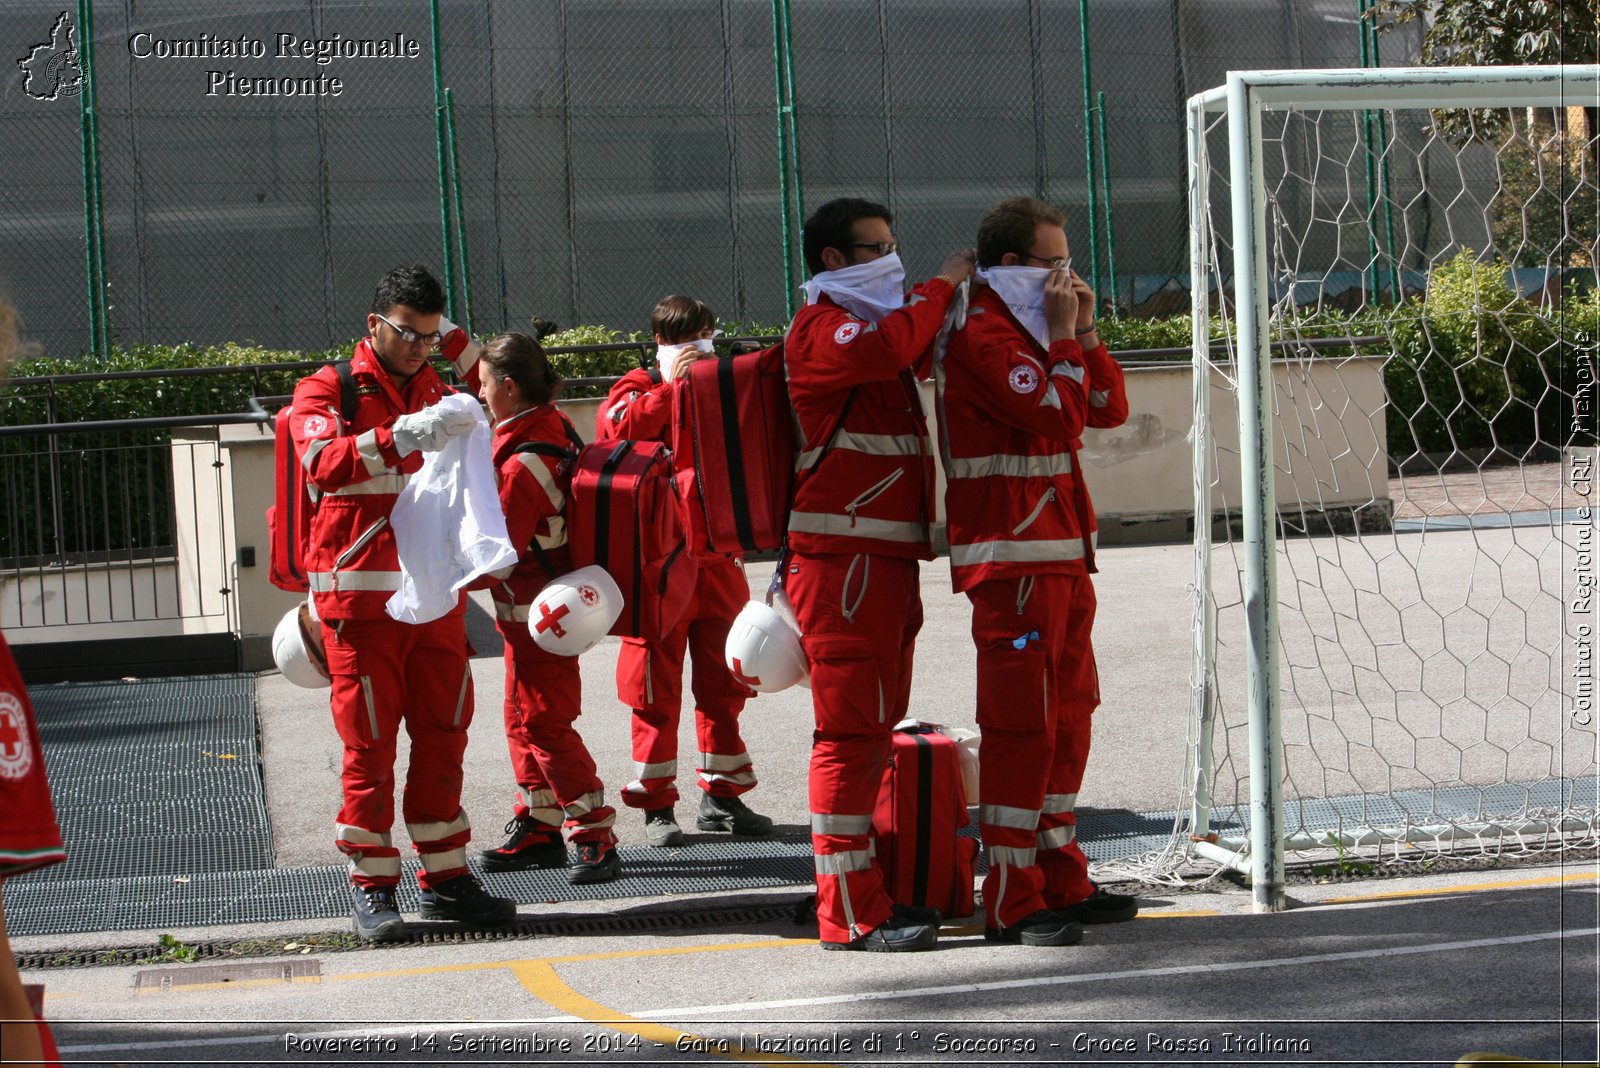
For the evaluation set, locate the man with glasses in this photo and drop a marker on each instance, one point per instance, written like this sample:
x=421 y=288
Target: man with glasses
x=387 y=673
x=1020 y=382
x=861 y=519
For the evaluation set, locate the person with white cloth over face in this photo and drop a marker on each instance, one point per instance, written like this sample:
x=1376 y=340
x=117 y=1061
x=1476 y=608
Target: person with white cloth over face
x=1018 y=385
x=650 y=671
x=387 y=673
x=862 y=517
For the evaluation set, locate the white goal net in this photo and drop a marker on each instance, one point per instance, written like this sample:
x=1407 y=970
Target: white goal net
x=1394 y=649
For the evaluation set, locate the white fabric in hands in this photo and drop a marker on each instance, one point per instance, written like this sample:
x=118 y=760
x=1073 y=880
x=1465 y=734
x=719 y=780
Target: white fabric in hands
x=1022 y=288
x=430 y=428
x=866 y=290
x=667 y=355
x=448 y=526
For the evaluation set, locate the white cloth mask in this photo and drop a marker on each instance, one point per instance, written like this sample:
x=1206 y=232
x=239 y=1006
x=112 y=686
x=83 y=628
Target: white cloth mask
x=667 y=355
x=1022 y=288
x=866 y=290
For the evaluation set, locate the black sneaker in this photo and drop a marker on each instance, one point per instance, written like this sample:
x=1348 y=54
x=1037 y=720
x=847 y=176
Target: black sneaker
x=1047 y=927
x=731 y=814
x=919 y=914
x=1103 y=906
x=898 y=934
x=376 y=917
x=530 y=844
x=596 y=863
x=464 y=900
x=661 y=828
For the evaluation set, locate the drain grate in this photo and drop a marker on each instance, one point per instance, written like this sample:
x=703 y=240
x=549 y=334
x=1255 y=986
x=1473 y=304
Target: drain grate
x=160 y=980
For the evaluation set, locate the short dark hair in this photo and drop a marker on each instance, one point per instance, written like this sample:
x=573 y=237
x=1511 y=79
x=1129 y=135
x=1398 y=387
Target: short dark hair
x=413 y=286
x=678 y=318
x=1009 y=227
x=522 y=359
x=830 y=227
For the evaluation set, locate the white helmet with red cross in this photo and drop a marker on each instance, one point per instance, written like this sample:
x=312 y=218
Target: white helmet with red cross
x=575 y=611
x=763 y=650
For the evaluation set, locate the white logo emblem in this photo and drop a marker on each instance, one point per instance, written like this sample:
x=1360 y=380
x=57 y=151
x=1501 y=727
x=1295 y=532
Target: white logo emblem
x=317 y=425
x=1024 y=379
x=847 y=333
x=16 y=753
x=50 y=69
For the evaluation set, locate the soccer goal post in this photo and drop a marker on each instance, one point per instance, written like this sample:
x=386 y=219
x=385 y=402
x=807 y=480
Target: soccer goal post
x=1395 y=315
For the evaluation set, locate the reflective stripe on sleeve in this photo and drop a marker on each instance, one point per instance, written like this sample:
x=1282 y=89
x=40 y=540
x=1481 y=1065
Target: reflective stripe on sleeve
x=541 y=472
x=312 y=448
x=367 y=447
x=1099 y=398
x=387 y=482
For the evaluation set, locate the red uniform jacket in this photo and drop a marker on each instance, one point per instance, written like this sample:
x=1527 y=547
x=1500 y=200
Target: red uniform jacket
x=533 y=495
x=352 y=561
x=29 y=836
x=1010 y=418
x=873 y=490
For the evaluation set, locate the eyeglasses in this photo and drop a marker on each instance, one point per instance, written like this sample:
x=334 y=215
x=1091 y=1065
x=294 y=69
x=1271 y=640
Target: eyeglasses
x=411 y=337
x=882 y=248
x=1060 y=263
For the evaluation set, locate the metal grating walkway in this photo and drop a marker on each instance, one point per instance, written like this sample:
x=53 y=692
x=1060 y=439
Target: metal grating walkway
x=138 y=768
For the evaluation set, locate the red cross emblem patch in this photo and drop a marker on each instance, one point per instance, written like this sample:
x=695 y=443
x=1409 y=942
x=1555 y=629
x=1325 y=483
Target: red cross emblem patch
x=16 y=752
x=738 y=673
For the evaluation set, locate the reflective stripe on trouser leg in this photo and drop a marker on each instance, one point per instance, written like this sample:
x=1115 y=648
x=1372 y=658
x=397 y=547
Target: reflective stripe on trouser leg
x=858 y=670
x=1074 y=693
x=439 y=706
x=590 y=819
x=650 y=681
x=720 y=595
x=548 y=692
x=1015 y=750
x=725 y=775
x=539 y=805
x=374 y=861
x=442 y=848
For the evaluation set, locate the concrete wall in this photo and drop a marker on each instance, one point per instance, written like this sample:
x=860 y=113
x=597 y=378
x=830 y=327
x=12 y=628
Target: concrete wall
x=1329 y=421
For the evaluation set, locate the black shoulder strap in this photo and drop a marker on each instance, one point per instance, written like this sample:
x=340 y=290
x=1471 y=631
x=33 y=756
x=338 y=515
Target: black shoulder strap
x=655 y=375
x=555 y=452
x=347 y=391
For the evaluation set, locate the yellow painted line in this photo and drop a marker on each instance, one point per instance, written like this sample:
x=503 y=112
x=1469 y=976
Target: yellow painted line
x=626 y=954
x=540 y=980
x=1510 y=884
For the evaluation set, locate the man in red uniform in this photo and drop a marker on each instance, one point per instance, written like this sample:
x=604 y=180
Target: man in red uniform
x=1020 y=382
x=386 y=673
x=861 y=519
x=650 y=673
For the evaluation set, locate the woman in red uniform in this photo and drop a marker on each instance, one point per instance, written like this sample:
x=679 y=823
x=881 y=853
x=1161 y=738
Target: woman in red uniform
x=29 y=837
x=557 y=785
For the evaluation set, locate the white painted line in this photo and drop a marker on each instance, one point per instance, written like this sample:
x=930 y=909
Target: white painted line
x=1101 y=977
x=893 y=995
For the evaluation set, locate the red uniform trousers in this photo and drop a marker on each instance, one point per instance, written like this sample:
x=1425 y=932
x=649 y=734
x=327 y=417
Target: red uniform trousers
x=384 y=673
x=1037 y=691
x=556 y=780
x=860 y=615
x=650 y=681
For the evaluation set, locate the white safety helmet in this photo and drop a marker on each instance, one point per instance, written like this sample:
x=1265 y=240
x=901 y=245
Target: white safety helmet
x=763 y=650
x=575 y=611
x=297 y=649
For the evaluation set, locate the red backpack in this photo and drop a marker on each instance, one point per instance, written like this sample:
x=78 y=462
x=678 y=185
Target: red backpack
x=624 y=514
x=289 y=518
x=921 y=809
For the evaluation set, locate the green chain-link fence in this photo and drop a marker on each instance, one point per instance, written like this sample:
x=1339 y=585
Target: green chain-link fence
x=609 y=150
